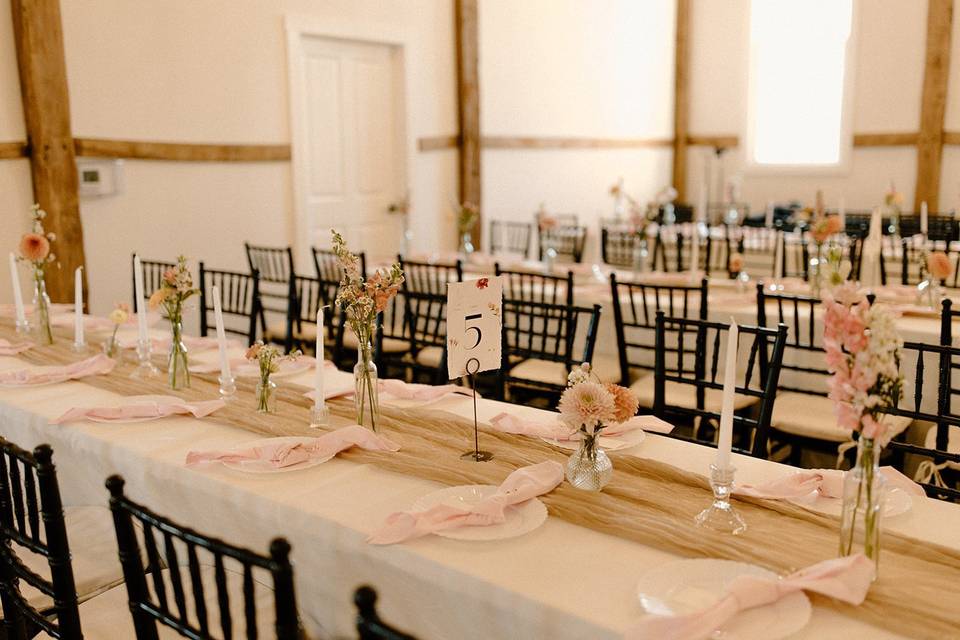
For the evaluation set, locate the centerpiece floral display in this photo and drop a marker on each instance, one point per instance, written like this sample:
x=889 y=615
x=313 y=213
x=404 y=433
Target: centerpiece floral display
x=176 y=287
x=892 y=208
x=824 y=229
x=268 y=358
x=935 y=267
x=35 y=250
x=863 y=354
x=587 y=407
x=362 y=301
x=468 y=214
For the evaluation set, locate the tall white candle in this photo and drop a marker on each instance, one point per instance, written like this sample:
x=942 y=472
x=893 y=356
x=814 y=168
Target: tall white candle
x=923 y=217
x=17 y=294
x=778 y=257
x=78 y=306
x=768 y=215
x=225 y=373
x=141 y=303
x=695 y=248
x=842 y=212
x=725 y=439
x=319 y=401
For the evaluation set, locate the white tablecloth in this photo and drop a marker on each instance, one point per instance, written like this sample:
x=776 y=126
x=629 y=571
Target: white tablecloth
x=559 y=582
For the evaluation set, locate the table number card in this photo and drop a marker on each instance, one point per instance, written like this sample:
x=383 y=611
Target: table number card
x=474 y=325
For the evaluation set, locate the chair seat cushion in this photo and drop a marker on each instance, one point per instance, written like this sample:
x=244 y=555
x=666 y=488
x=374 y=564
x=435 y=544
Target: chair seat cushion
x=93 y=547
x=390 y=345
x=276 y=331
x=107 y=616
x=549 y=372
x=430 y=357
x=953 y=443
x=684 y=396
x=812 y=416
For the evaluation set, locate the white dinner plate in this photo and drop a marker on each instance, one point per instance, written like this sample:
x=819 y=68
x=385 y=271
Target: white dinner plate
x=264 y=466
x=521 y=518
x=251 y=369
x=896 y=501
x=608 y=443
x=688 y=586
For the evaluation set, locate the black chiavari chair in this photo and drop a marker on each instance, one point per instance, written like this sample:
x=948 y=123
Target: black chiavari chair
x=666 y=249
x=941 y=227
x=510 y=237
x=306 y=296
x=539 y=346
x=620 y=247
x=192 y=602
x=699 y=379
x=275 y=265
x=425 y=314
x=795 y=255
x=713 y=256
x=239 y=302
x=635 y=306
x=369 y=624
x=152 y=276
x=758 y=246
x=536 y=287
x=29 y=494
x=567 y=240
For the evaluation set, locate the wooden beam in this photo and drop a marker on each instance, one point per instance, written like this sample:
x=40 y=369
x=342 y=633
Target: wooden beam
x=534 y=142
x=951 y=137
x=885 y=139
x=436 y=143
x=933 y=103
x=468 y=93
x=721 y=141
x=681 y=99
x=175 y=151
x=38 y=36
x=12 y=150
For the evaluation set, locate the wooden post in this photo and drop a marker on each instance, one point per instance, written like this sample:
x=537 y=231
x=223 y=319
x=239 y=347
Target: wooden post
x=681 y=100
x=46 y=108
x=933 y=105
x=468 y=91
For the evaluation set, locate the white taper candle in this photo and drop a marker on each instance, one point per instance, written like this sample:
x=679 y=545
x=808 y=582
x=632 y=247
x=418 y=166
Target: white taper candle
x=319 y=401
x=778 y=257
x=725 y=439
x=923 y=217
x=225 y=373
x=78 y=306
x=842 y=212
x=141 y=303
x=17 y=293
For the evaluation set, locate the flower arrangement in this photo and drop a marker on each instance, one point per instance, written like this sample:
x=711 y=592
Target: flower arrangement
x=863 y=354
x=824 y=227
x=467 y=216
x=268 y=357
x=735 y=264
x=892 y=204
x=588 y=406
x=363 y=300
x=939 y=265
x=34 y=248
x=176 y=287
x=118 y=316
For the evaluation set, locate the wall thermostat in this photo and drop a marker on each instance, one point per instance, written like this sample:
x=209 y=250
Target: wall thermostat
x=99 y=178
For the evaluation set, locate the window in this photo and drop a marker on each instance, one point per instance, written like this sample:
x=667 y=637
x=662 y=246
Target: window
x=798 y=78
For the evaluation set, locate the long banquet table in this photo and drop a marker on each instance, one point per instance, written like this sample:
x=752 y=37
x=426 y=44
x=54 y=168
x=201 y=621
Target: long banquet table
x=560 y=581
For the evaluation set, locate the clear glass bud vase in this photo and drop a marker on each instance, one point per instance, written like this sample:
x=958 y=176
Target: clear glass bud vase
x=816 y=272
x=466 y=245
x=177 y=364
x=41 y=310
x=589 y=468
x=863 y=494
x=266 y=395
x=367 y=396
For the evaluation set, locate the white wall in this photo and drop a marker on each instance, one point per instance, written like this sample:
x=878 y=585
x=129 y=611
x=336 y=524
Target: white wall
x=574 y=68
x=215 y=71
x=16 y=193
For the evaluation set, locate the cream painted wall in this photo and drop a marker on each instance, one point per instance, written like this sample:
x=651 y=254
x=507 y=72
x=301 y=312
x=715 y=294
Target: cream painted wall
x=216 y=71
x=574 y=68
x=16 y=193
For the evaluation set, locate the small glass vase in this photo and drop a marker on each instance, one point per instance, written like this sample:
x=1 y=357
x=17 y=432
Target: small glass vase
x=816 y=272
x=466 y=245
x=41 y=310
x=929 y=293
x=589 y=468
x=641 y=255
x=111 y=346
x=367 y=396
x=177 y=364
x=266 y=395
x=863 y=493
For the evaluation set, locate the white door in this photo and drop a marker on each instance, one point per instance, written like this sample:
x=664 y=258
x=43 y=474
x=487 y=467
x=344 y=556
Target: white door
x=347 y=143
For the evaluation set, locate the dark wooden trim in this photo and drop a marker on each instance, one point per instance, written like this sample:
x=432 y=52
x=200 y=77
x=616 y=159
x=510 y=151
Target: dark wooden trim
x=907 y=139
x=722 y=141
x=681 y=99
x=13 y=150
x=951 y=137
x=535 y=142
x=38 y=36
x=181 y=152
x=437 y=143
x=933 y=104
x=468 y=94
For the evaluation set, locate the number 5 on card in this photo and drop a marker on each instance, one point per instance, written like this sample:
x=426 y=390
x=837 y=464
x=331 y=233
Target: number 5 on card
x=474 y=325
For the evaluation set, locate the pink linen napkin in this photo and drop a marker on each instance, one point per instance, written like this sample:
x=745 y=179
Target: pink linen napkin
x=521 y=485
x=94 y=365
x=805 y=486
x=846 y=579
x=143 y=409
x=508 y=423
x=7 y=348
x=284 y=453
x=423 y=392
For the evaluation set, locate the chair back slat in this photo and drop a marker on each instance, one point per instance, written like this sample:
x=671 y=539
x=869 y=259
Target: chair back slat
x=510 y=237
x=530 y=286
x=803 y=338
x=153 y=271
x=240 y=302
x=148 y=612
x=567 y=240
